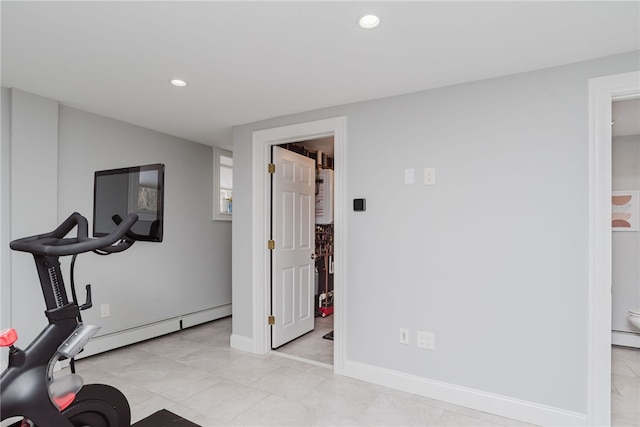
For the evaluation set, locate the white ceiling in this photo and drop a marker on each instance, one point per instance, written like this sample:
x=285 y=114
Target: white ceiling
x=247 y=61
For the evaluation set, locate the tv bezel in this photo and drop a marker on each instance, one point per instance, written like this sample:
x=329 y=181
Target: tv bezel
x=159 y=167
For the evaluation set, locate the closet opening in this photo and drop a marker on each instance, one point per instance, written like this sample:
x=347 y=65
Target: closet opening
x=314 y=345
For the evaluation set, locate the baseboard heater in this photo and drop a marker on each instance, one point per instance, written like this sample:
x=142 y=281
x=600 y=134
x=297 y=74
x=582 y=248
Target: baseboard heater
x=114 y=340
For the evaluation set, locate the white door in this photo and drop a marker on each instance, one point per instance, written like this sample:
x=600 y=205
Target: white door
x=293 y=230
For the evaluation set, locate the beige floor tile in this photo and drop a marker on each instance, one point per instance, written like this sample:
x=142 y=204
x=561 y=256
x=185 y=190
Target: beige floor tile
x=454 y=419
x=150 y=369
x=182 y=383
x=340 y=398
x=625 y=411
x=245 y=369
x=389 y=410
x=277 y=411
x=224 y=401
x=173 y=346
x=312 y=346
x=292 y=384
x=622 y=367
x=195 y=374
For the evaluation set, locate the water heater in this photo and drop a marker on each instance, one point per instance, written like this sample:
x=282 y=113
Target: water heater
x=324 y=196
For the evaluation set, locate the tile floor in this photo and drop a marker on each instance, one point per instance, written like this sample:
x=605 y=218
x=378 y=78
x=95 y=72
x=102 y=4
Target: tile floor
x=195 y=374
x=625 y=386
x=312 y=346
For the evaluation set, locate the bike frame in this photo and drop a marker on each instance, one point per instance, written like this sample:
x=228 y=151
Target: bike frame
x=32 y=368
x=25 y=384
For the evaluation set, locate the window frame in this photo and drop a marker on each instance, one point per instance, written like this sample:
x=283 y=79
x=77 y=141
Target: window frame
x=218 y=215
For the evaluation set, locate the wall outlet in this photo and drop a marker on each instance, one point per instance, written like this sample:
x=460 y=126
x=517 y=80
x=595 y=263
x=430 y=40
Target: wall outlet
x=403 y=337
x=409 y=176
x=105 y=310
x=426 y=340
x=429 y=176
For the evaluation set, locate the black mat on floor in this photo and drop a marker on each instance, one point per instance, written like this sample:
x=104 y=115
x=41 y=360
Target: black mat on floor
x=328 y=336
x=164 y=418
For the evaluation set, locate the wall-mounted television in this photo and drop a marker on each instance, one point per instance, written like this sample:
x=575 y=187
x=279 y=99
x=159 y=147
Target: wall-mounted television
x=137 y=189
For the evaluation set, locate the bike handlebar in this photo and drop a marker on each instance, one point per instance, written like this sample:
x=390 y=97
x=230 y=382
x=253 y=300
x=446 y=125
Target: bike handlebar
x=55 y=244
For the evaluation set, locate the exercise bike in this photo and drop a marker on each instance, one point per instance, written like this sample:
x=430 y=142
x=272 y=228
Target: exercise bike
x=28 y=388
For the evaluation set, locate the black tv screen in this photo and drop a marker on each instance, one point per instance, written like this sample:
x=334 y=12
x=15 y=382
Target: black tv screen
x=119 y=192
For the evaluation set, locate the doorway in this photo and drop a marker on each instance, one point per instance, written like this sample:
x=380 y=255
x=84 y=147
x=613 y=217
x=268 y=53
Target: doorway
x=602 y=92
x=314 y=342
x=261 y=149
x=625 y=244
x=625 y=150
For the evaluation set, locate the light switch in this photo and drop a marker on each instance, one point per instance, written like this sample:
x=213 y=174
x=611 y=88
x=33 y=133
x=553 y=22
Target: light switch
x=429 y=176
x=409 y=176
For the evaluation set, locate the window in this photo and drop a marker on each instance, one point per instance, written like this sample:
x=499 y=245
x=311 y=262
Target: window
x=222 y=184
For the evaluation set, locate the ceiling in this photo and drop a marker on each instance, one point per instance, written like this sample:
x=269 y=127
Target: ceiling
x=247 y=61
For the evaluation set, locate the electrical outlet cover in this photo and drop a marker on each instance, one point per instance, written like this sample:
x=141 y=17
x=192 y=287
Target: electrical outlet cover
x=426 y=340
x=403 y=337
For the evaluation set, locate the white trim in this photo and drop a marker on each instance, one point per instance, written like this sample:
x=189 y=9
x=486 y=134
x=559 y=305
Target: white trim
x=601 y=92
x=239 y=342
x=130 y=336
x=626 y=339
x=505 y=406
x=204 y=316
x=262 y=141
x=217 y=215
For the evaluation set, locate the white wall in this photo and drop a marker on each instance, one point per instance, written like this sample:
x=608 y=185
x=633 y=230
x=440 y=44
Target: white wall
x=190 y=271
x=625 y=245
x=492 y=259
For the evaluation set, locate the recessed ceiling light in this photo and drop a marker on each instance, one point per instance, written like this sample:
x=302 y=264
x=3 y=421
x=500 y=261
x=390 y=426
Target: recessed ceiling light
x=369 y=21
x=178 y=82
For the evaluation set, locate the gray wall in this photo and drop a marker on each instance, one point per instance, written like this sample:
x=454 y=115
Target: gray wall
x=625 y=245
x=5 y=225
x=32 y=190
x=492 y=259
x=191 y=269
x=188 y=272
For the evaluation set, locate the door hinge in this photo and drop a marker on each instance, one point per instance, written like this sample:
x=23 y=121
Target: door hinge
x=272 y=320
x=271 y=245
x=272 y=168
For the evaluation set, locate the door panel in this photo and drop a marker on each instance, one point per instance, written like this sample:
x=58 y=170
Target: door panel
x=293 y=221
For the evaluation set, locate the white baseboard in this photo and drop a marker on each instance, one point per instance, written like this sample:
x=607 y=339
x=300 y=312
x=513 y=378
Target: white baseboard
x=504 y=406
x=627 y=339
x=130 y=336
x=204 y=316
x=119 y=339
x=240 y=342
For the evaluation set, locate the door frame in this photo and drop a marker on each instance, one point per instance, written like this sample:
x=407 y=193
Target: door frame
x=602 y=92
x=260 y=215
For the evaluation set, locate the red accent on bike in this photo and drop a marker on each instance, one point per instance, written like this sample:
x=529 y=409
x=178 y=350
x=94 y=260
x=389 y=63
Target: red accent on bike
x=8 y=337
x=64 y=401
